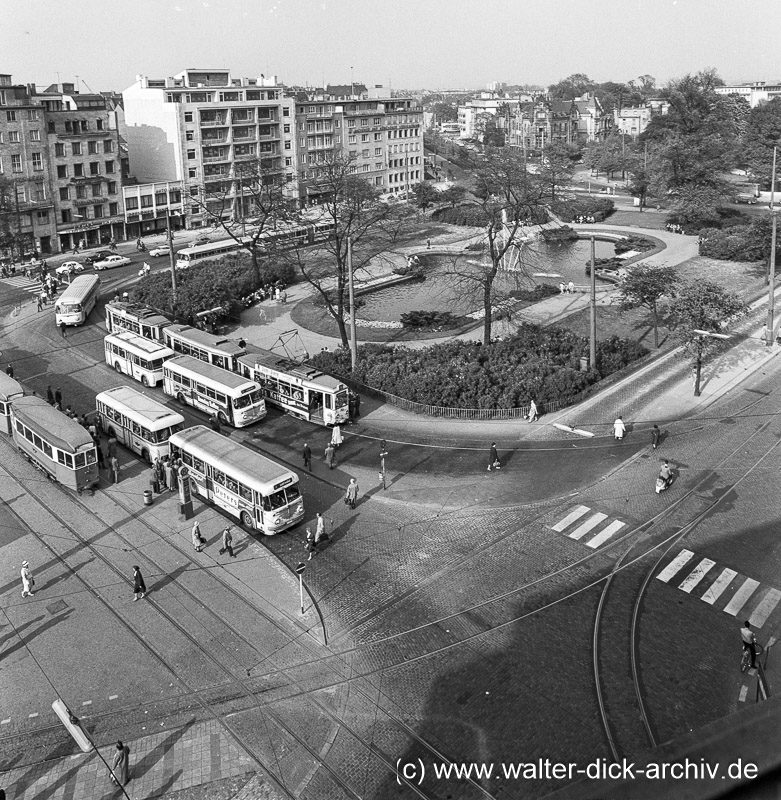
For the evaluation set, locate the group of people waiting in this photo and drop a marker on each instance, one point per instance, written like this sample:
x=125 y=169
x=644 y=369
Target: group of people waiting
x=585 y=218
x=567 y=288
x=674 y=227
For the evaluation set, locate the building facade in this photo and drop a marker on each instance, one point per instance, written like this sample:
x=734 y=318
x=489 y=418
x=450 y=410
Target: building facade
x=594 y=125
x=755 y=93
x=535 y=125
x=151 y=207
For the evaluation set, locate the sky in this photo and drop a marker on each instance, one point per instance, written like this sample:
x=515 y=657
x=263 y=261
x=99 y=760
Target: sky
x=404 y=44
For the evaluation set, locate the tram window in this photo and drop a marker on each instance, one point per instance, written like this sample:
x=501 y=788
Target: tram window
x=19 y=427
x=80 y=460
x=47 y=448
x=28 y=434
x=231 y=484
x=328 y=401
x=92 y=456
x=64 y=458
x=37 y=441
x=3 y=408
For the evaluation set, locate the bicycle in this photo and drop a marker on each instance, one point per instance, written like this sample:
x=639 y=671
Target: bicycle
x=745 y=661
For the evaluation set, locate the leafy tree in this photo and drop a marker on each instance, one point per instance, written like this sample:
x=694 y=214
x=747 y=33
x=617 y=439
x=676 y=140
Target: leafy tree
x=762 y=134
x=444 y=112
x=425 y=194
x=701 y=308
x=359 y=222
x=556 y=167
x=509 y=197
x=571 y=87
x=454 y=194
x=646 y=286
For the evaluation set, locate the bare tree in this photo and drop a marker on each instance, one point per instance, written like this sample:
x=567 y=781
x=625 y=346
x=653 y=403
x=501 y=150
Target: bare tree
x=509 y=198
x=358 y=220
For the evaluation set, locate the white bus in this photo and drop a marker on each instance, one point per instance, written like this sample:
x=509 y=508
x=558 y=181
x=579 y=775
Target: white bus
x=235 y=400
x=302 y=391
x=141 y=359
x=261 y=494
x=203 y=252
x=204 y=346
x=75 y=303
x=138 y=319
x=138 y=421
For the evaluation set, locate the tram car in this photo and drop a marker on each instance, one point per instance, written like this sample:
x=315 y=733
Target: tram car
x=10 y=390
x=57 y=445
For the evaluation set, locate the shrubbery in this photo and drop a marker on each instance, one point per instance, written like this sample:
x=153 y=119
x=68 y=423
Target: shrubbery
x=639 y=243
x=737 y=242
x=561 y=234
x=430 y=320
x=539 y=292
x=470 y=216
x=205 y=286
x=598 y=207
x=539 y=363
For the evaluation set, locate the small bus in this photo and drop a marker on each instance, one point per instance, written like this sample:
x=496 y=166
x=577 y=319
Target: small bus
x=234 y=400
x=301 y=390
x=138 y=421
x=263 y=495
x=204 y=346
x=9 y=391
x=141 y=359
x=138 y=319
x=188 y=256
x=57 y=445
x=74 y=304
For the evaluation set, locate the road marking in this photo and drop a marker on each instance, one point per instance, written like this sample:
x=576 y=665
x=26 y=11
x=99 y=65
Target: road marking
x=741 y=596
x=743 y=693
x=576 y=514
x=113 y=696
x=605 y=534
x=696 y=575
x=719 y=585
x=32 y=716
x=87 y=703
x=674 y=565
x=588 y=525
x=760 y=614
x=5 y=721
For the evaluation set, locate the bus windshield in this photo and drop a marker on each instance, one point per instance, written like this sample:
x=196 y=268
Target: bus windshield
x=281 y=498
x=162 y=436
x=69 y=308
x=247 y=400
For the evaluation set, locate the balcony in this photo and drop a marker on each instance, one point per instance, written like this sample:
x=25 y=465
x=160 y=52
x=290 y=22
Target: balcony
x=211 y=159
x=80 y=134
x=247 y=138
x=219 y=122
x=206 y=141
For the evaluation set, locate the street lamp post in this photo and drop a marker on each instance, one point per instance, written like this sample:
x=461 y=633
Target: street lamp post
x=593 y=306
x=771 y=272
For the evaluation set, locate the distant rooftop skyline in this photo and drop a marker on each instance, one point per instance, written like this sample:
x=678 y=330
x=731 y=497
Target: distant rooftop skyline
x=433 y=44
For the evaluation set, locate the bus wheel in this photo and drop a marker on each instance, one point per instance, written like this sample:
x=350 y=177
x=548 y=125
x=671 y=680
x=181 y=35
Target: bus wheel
x=144 y=381
x=118 y=368
x=246 y=520
x=222 y=418
x=180 y=399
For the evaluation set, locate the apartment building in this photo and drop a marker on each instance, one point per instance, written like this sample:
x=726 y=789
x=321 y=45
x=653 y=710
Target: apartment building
x=594 y=125
x=754 y=93
x=215 y=134
x=533 y=126
x=27 y=212
x=404 y=126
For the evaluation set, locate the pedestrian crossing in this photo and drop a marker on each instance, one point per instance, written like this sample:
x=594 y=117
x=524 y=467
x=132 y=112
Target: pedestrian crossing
x=721 y=587
x=26 y=284
x=585 y=525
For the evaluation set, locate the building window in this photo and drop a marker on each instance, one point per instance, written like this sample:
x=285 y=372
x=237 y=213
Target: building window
x=161 y=198
x=365 y=153
x=191 y=154
x=286 y=112
x=66 y=215
x=109 y=167
x=175 y=196
x=288 y=162
x=192 y=172
x=377 y=137
x=65 y=193
x=112 y=187
x=16 y=163
x=98 y=211
x=81 y=192
x=188 y=116
x=146 y=201
x=131 y=203
x=92 y=148
x=302 y=142
x=378 y=165
x=378 y=180
x=108 y=146
x=11 y=115
x=352 y=139
x=189 y=136
x=59 y=150
x=364 y=122
x=68 y=126
x=350 y=123
x=94 y=168
x=76 y=148
x=287 y=145
x=194 y=209
x=43 y=217
x=96 y=190
x=35 y=136
x=113 y=209
x=364 y=137
x=13 y=137
x=286 y=128
x=99 y=124
x=193 y=191
x=62 y=171
x=365 y=168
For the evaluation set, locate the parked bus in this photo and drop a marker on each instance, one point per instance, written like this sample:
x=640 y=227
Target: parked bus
x=301 y=390
x=188 y=256
x=234 y=399
x=138 y=319
x=141 y=359
x=75 y=303
x=261 y=494
x=204 y=346
x=9 y=391
x=138 y=421
x=55 y=443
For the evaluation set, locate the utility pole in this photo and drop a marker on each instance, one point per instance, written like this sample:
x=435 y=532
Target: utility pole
x=171 y=256
x=353 y=334
x=771 y=272
x=593 y=306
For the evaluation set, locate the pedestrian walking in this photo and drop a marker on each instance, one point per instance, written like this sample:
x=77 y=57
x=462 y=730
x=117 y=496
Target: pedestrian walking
x=571 y=287
x=330 y=455
x=49 y=395
x=383 y=454
x=112 y=245
x=493 y=458
x=160 y=472
x=9 y=371
x=112 y=445
x=198 y=540
x=28 y=582
x=307 y=454
x=356 y=406
x=619 y=429
x=749 y=642
x=168 y=472
x=64 y=330
x=655 y=436
x=320 y=534
x=121 y=765
x=174 y=485
x=533 y=413
x=99 y=451
x=40 y=303
x=351 y=497
x=139 y=587
x=214 y=421
x=310 y=543
x=114 y=469
x=336 y=436
x=58 y=396
x=227 y=543
x=154 y=481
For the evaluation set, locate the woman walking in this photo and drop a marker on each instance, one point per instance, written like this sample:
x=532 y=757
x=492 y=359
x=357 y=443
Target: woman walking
x=351 y=497
x=310 y=544
x=28 y=582
x=619 y=429
x=139 y=587
x=336 y=436
x=198 y=540
x=227 y=543
x=532 y=410
x=121 y=765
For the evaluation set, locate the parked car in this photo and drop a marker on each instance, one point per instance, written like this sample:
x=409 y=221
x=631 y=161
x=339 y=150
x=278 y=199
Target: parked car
x=111 y=262
x=203 y=240
x=745 y=197
x=161 y=250
x=98 y=255
x=69 y=267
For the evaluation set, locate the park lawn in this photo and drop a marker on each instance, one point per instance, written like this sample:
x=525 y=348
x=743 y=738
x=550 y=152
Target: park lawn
x=737 y=276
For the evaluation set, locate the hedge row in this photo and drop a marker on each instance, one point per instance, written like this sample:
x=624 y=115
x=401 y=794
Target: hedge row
x=539 y=363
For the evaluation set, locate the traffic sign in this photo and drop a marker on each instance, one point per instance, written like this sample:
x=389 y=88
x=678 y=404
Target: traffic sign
x=300 y=567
